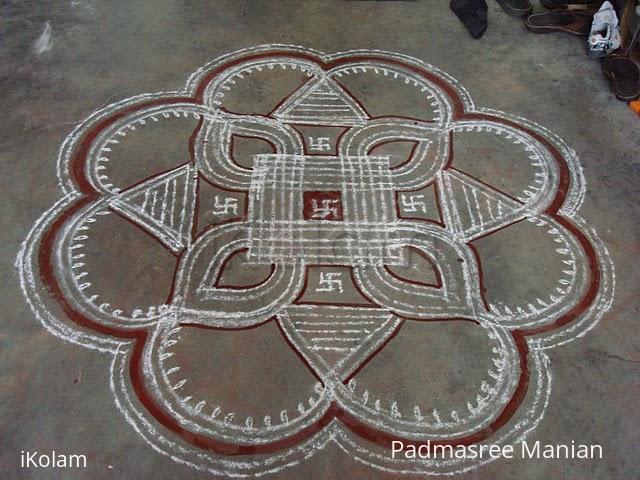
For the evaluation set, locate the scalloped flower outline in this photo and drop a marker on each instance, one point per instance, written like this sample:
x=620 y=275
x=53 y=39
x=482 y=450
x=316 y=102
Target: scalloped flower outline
x=336 y=415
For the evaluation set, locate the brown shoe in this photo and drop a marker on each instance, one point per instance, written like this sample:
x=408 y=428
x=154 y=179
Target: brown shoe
x=568 y=21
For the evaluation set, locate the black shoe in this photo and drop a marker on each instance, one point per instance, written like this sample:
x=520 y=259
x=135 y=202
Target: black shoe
x=473 y=15
x=516 y=8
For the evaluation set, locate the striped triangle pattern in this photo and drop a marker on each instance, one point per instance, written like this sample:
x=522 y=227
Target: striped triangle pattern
x=337 y=342
x=321 y=101
x=472 y=208
x=163 y=206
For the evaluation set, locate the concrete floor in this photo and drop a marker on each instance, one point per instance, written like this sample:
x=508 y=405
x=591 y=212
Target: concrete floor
x=56 y=395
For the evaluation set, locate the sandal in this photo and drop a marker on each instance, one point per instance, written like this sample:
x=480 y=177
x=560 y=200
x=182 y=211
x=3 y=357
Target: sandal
x=516 y=8
x=592 y=5
x=624 y=73
x=568 y=21
x=623 y=69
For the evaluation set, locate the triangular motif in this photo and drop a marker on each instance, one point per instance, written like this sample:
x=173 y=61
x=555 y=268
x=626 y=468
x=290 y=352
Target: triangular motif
x=472 y=208
x=321 y=101
x=163 y=206
x=336 y=341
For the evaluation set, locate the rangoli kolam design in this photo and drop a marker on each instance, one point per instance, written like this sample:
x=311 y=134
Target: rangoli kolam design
x=301 y=249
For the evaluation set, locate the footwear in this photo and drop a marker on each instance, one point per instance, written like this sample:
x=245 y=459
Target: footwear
x=571 y=4
x=604 y=37
x=624 y=73
x=516 y=8
x=472 y=14
x=623 y=70
x=568 y=21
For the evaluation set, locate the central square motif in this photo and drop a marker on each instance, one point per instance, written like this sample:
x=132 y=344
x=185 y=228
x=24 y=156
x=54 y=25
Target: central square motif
x=322 y=206
x=322 y=210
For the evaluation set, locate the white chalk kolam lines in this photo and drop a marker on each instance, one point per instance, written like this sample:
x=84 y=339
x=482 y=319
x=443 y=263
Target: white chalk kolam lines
x=342 y=258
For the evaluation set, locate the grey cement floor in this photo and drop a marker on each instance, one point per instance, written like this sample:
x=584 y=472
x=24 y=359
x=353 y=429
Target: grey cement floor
x=55 y=395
